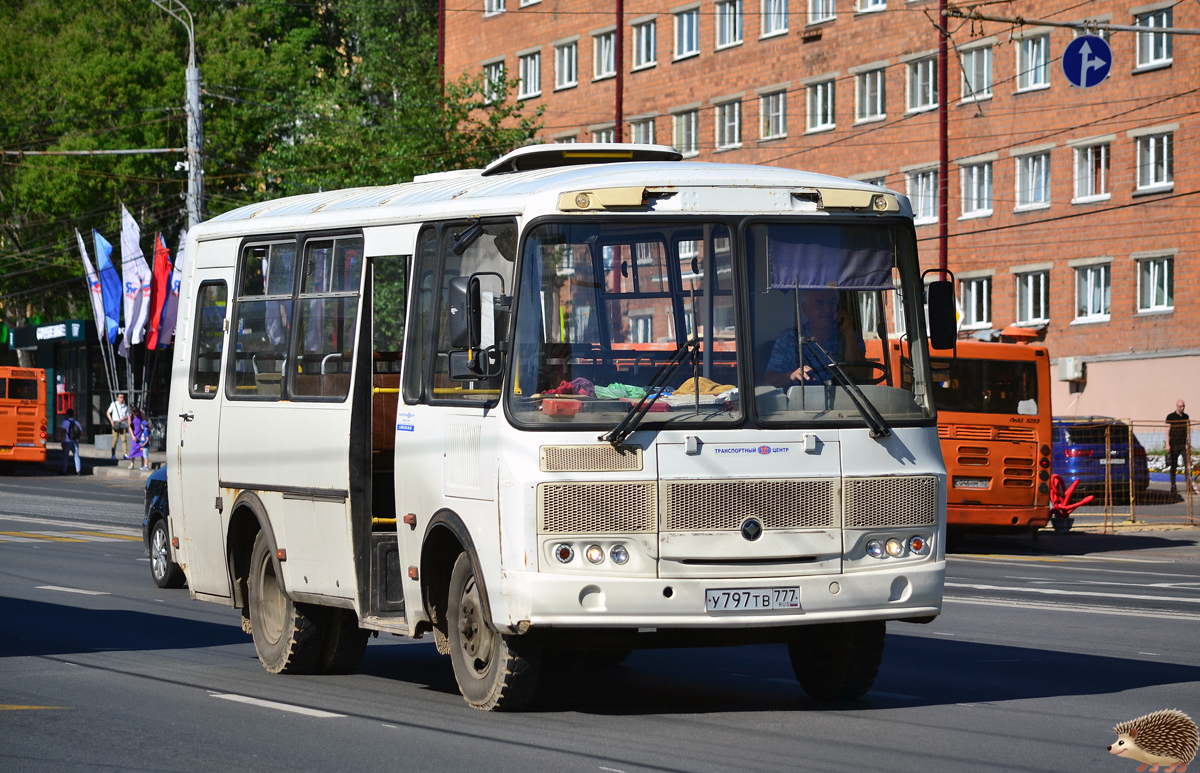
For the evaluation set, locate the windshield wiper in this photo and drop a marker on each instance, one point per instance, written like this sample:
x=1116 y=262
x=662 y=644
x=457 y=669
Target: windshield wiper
x=879 y=427
x=629 y=423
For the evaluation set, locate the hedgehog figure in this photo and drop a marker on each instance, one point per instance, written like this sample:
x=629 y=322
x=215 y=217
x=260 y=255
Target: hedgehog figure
x=1167 y=737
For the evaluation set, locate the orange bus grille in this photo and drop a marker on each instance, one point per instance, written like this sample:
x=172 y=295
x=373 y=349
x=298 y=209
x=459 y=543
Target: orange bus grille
x=1019 y=482
x=1017 y=434
x=974 y=433
x=973 y=461
x=26 y=432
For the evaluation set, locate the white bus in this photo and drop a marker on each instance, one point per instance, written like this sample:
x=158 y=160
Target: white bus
x=558 y=405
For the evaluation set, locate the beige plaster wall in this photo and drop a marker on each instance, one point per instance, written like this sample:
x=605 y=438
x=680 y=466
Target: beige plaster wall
x=1131 y=389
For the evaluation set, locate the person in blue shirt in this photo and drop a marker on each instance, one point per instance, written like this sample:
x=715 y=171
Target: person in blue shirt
x=831 y=326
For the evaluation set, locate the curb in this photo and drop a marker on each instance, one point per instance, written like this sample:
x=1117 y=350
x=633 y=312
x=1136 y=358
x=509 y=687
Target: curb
x=121 y=472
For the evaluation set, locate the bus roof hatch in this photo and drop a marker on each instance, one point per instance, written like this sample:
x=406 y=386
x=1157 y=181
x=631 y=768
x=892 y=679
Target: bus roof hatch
x=576 y=154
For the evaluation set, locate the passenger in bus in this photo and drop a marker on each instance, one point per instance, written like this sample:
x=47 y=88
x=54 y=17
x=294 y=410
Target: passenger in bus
x=830 y=325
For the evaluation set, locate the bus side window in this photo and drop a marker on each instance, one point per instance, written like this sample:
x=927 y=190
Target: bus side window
x=262 y=324
x=416 y=348
x=210 y=336
x=328 y=301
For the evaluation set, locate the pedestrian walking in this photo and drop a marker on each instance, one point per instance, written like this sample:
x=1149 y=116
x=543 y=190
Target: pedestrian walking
x=118 y=416
x=72 y=433
x=1178 y=445
x=140 y=430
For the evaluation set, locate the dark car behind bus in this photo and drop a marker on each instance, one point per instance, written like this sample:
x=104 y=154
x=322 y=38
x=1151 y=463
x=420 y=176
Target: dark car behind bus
x=1085 y=447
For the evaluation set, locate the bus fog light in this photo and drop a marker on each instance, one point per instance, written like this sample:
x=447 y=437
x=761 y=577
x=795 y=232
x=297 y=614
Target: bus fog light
x=595 y=554
x=917 y=544
x=564 y=553
x=895 y=547
x=875 y=549
x=618 y=554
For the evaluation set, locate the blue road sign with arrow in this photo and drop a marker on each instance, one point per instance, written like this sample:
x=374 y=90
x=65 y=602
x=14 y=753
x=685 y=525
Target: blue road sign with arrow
x=1087 y=61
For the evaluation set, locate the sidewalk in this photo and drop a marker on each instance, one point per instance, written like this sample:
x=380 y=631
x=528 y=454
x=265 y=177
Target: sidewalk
x=103 y=465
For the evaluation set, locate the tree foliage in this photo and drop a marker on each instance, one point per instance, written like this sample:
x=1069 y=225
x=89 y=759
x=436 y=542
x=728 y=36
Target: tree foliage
x=297 y=98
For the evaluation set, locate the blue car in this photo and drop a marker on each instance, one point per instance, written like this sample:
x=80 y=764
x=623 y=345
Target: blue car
x=1083 y=452
x=156 y=533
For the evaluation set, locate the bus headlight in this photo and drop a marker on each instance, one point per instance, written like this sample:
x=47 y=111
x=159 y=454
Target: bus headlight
x=618 y=554
x=875 y=548
x=917 y=544
x=895 y=548
x=564 y=553
x=595 y=554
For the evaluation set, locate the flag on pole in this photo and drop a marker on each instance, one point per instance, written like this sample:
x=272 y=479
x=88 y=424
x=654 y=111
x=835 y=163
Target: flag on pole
x=136 y=275
x=166 y=329
x=110 y=286
x=94 y=291
x=159 y=290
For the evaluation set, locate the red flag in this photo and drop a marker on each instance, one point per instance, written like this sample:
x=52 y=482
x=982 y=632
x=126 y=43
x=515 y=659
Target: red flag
x=158 y=289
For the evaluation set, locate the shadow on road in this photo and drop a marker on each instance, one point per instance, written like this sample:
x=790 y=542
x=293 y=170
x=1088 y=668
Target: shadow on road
x=1075 y=543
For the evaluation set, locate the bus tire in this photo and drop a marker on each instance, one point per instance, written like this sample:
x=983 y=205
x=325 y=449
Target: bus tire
x=494 y=671
x=343 y=645
x=163 y=569
x=287 y=635
x=838 y=661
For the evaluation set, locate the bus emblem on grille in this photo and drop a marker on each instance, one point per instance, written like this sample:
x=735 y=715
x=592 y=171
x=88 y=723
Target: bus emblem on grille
x=751 y=529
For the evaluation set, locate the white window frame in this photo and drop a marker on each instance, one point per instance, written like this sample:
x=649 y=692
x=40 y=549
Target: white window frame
x=1155 y=49
x=821 y=100
x=772 y=110
x=604 y=55
x=1156 y=162
x=977 y=190
x=493 y=73
x=642 y=132
x=923 y=192
x=604 y=135
x=728 y=128
x=645 y=45
x=1033 y=294
x=530 y=83
x=493 y=7
x=976 y=294
x=1087 y=157
x=1033 y=63
x=870 y=99
x=566 y=65
x=820 y=11
x=1090 y=280
x=729 y=23
x=524 y=3
x=687 y=33
x=973 y=61
x=1156 y=284
x=872 y=6
x=1033 y=181
x=922 y=85
x=686 y=130
x=774 y=17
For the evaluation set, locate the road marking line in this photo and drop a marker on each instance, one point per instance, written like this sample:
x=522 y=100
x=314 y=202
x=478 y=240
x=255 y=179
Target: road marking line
x=73 y=537
x=14 y=540
x=34 y=536
x=107 y=535
x=1059 y=592
x=74 y=590
x=68 y=524
x=273 y=705
x=1155 y=654
x=1058 y=607
x=14 y=707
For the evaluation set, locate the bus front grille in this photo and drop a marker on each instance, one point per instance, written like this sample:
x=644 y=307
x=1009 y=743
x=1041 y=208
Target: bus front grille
x=807 y=503
x=590 y=458
x=596 y=508
x=890 y=502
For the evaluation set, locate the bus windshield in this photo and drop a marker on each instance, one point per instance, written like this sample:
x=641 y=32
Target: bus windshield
x=985 y=386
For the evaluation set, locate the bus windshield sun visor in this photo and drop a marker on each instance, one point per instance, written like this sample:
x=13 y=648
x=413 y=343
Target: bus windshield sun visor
x=831 y=257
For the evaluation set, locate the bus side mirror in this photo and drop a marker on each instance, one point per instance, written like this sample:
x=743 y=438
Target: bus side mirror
x=943 y=322
x=464 y=308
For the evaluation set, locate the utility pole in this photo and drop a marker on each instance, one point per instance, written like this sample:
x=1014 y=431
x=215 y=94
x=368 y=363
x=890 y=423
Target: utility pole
x=619 y=85
x=943 y=185
x=195 y=114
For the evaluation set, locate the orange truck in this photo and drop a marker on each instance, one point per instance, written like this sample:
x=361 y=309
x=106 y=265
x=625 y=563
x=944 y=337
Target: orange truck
x=22 y=415
x=993 y=407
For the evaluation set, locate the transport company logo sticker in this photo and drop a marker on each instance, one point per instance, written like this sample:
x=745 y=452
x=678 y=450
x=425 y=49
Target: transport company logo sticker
x=761 y=450
x=405 y=427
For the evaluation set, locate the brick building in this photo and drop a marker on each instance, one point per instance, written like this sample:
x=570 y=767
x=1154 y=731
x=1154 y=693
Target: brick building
x=1072 y=211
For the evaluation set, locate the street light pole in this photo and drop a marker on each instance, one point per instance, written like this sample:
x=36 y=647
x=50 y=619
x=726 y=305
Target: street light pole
x=195 y=114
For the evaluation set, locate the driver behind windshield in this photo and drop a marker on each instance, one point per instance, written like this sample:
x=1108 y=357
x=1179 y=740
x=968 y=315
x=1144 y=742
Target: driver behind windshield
x=831 y=326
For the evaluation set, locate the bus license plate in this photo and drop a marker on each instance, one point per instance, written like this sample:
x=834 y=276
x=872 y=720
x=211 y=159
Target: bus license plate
x=970 y=483
x=1112 y=461
x=750 y=599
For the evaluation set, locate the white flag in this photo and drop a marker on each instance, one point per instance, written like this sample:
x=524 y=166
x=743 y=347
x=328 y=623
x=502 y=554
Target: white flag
x=94 y=291
x=166 y=329
x=135 y=275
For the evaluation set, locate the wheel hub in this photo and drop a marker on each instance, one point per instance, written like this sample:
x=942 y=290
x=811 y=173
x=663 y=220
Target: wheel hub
x=474 y=636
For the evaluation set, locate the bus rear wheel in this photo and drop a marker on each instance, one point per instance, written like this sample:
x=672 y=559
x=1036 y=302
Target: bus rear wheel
x=494 y=671
x=838 y=661
x=343 y=645
x=287 y=635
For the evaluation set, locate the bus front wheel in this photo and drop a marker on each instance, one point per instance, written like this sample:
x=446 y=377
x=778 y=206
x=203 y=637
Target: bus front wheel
x=838 y=661
x=287 y=635
x=494 y=671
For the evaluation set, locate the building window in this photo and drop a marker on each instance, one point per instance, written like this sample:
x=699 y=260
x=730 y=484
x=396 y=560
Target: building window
x=775 y=17
x=1033 y=63
x=1153 y=46
x=1156 y=162
x=977 y=302
x=605 y=60
x=492 y=7
x=977 y=74
x=821 y=10
x=729 y=125
x=524 y=3
x=821 y=106
x=872 y=100
x=923 y=192
x=773 y=109
x=1033 y=297
x=1092 y=293
x=865 y=6
x=642 y=132
x=1033 y=180
x=566 y=140
x=687 y=33
x=729 y=23
x=878 y=182
x=493 y=87
x=977 y=190
x=645 y=52
x=530 y=84
x=687 y=133
x=1091 y=173
x=922 y=84
x=566 y=66
x=1156 y=284
x=604 y=135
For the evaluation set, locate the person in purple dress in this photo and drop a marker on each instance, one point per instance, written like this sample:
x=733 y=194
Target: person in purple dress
x=140 y=432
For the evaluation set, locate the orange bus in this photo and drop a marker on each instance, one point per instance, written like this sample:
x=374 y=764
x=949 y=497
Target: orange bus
x=993 y=407
x=22 y=415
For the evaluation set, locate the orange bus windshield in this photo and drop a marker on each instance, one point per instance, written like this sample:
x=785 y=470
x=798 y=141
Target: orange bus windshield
x=967 y=385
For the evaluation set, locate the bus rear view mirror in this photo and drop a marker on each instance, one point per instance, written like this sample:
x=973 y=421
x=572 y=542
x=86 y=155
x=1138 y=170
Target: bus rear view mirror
x=464 y=311
x=943 y=322
x=478 y=365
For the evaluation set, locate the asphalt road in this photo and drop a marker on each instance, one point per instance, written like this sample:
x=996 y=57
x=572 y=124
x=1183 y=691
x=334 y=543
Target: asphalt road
x=1041 y=649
